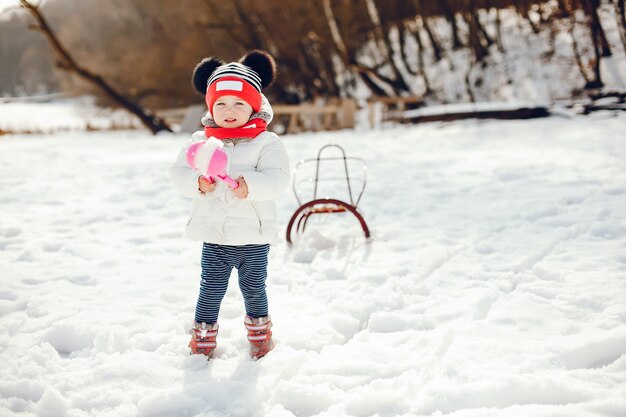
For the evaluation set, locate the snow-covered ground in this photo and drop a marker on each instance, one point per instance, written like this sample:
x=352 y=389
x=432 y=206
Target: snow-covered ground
x=494 y=284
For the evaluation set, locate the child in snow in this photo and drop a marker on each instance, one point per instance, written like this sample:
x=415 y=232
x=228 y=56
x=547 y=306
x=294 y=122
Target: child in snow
x=236 y=225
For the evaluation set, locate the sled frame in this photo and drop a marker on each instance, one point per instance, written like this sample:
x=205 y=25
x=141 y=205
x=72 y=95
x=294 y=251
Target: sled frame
x=327 y=205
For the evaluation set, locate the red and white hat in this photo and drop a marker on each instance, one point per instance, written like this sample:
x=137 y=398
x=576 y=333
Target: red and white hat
x=243 y=79
x=234 y=79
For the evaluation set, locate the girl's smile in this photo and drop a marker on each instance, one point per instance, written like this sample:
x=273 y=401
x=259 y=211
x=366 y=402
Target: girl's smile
x=231 y=112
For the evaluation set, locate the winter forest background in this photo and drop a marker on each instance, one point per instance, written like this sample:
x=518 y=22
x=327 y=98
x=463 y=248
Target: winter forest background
x=445 y=52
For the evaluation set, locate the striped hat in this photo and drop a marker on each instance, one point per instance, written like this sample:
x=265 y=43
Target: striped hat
x=234 y=79
x=244 y=79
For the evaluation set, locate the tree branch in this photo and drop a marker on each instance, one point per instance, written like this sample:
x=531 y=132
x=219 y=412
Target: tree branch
x=67 y=62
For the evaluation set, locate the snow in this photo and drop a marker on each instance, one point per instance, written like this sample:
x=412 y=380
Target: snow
x=468 y=108
x=493 y=285
x=536 y=68
x=80 y=113
x=5 y=4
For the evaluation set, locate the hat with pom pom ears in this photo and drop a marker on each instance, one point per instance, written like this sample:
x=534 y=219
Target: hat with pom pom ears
x=244 y=79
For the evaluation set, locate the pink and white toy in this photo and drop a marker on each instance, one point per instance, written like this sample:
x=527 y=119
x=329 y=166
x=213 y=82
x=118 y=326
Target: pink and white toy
x=208 y=157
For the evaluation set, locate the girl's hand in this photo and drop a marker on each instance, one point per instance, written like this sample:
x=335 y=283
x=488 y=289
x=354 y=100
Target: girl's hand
x=205 y=186
x=242 y=190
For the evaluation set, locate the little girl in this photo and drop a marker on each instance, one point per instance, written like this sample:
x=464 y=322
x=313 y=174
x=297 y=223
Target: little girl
x=236 y=225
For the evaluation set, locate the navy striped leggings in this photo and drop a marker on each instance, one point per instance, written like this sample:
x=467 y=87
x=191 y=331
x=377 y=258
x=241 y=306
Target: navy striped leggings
x=217 y=263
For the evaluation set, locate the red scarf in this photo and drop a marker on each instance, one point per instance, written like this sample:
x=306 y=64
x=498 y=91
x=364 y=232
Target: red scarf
x=250 y=130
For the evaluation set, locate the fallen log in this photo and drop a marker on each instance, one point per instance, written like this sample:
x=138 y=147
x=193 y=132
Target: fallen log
x=450 y=112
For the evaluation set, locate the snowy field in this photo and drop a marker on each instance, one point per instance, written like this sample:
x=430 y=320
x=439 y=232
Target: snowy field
x=494 y=283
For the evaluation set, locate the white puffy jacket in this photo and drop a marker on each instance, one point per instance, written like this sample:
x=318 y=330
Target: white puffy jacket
x=220 y=216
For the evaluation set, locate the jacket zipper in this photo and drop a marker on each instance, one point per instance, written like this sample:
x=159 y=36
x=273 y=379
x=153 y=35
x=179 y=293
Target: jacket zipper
x=258 y=218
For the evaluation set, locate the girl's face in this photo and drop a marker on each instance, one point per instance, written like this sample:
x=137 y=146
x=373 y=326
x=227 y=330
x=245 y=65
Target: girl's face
x=231 y=111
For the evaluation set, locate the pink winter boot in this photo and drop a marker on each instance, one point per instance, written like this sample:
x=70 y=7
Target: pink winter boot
x=203 y=339
x=259 y=335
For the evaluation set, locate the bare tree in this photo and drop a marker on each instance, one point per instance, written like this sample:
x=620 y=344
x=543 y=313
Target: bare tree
x=499 y=31
x=579 y=61
x=398 y=83
x=437 y=48
x=596 y=27
x=600 y=46
x=414 y=29
x=365 y=73
x=402 y=39
x=451 y=16
x=67 y=62
x=476 y=41
x=621 y=19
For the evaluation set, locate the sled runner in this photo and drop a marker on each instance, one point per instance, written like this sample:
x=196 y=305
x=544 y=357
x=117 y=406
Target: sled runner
x=327 y=205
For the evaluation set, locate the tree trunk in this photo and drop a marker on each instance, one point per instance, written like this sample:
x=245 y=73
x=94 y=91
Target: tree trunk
x=366 y=75
x=348 y=60
x=591 y=9
x=532 y=24
x=606 y=49
x=402 y=37
x=475 y=42
x=564 y=10
x=481 y=28
x=621 y=21
x=451 y=17
x=597 y=36
x=398 y=83
x=579 y=61
x=437 y=49
x=420 y=57
x=335 y=34
x=468 y=85
x=149 y=119
x=499 y=31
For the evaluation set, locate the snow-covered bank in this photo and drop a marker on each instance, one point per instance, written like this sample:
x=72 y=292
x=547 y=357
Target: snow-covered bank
x=69 y=114
x=494 y=284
